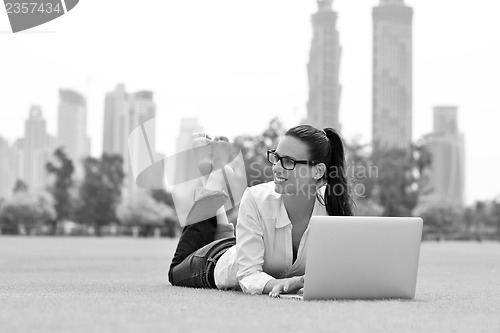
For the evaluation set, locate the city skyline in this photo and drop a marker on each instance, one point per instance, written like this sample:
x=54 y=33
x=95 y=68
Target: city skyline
x=127 y=112
x=245 y=68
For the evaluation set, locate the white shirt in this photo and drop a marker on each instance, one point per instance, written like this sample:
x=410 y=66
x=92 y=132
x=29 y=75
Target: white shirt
x=263 y=249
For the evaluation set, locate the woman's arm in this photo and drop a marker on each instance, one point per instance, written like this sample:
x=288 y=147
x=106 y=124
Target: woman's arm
x=250 y=247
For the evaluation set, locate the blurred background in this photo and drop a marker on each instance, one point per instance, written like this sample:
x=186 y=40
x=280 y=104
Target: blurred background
x=410 y=85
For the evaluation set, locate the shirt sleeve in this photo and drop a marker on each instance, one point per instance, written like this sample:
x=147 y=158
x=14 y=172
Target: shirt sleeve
x=250 y=247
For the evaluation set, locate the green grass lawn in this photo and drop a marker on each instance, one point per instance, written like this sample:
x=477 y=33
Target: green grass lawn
x=120 y=285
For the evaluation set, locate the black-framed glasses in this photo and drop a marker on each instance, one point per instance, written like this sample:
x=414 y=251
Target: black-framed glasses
x=287 y=163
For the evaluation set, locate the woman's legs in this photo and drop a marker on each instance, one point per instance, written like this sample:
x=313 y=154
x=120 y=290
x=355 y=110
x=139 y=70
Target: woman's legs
x=195 y=251
x=193 y=237
x=197 y=269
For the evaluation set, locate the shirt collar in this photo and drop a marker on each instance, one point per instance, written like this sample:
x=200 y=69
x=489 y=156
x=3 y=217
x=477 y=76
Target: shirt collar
x=282 y=219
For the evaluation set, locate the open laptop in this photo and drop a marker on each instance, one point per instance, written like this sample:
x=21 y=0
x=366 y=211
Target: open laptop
x=361 y=258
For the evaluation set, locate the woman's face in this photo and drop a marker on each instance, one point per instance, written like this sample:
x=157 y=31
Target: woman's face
x=300 y=180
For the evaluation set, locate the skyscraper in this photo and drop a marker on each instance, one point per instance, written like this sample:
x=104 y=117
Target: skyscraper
x=72 y=128
x=187 y=128
x=18 y=162
x=8 y=174
x=116 y=108
x=323 y=69
x=392 y=75
x=123 y=113
x=142 y=113
x=37 y=148
x=448 y=156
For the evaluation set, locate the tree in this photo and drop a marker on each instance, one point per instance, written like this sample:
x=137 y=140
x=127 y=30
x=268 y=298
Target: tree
x=468 y=218
x=27 y=211
x=20 y=186
x=389 y=178
x=486 y=219
x=171 y=222
x=396 y=187
x=367 y=207
x=60 y=189
x=6 y=226
x=439 y=215
x=145 y=212
x=360 y=171
x=254 y=152
x=361 y=176
x=100 y=191
x=495 y=216
x=163 y=196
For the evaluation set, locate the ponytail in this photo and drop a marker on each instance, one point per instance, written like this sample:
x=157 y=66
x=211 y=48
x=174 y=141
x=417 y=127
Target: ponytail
x=326 y=146
x=337 y=198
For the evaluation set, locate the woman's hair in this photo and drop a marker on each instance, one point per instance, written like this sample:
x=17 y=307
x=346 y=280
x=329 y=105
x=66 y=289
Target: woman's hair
x=325 y=146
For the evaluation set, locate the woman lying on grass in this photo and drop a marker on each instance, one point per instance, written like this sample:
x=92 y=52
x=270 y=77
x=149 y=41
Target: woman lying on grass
x=268 y=253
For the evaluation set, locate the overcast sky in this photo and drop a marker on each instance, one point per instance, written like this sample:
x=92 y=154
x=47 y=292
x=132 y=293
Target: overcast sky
x=237 y=64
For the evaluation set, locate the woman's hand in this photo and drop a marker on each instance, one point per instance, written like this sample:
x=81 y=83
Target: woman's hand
x=285 y=286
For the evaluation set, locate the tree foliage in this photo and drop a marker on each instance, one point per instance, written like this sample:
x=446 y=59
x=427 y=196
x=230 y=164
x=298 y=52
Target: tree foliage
x=20 y=186
x=391 y=179
x=439 y=214
x=171 y=222
x=163 y=196
x=100 y=191
x=396 y=188
x=145 y=212
x=27 y=211
x=361 y=176
x=254 y=152
x=60 y=190
x=367 y=207
x=483 y=219
x=360 y=171
x=495 y=216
